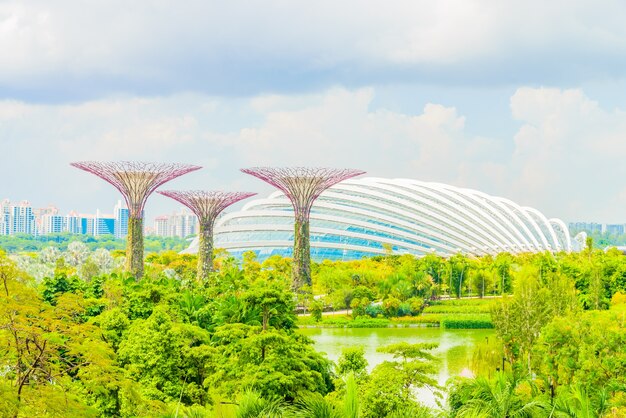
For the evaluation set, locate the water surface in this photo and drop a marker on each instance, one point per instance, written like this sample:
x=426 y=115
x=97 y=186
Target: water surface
x=454 y=351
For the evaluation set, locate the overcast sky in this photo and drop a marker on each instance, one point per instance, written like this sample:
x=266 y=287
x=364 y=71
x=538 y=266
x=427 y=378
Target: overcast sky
x=522 y=99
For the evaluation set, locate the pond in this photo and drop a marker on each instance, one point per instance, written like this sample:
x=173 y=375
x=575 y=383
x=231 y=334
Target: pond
x=455 y=347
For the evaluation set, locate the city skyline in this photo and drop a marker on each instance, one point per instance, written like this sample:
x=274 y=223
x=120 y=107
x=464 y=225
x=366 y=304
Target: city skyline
x=177 y=221
x=32 y=220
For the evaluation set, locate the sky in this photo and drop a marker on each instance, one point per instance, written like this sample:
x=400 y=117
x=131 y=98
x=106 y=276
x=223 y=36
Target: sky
x=520 y=99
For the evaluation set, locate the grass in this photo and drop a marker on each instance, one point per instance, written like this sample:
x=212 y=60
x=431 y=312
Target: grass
x=458 y=309
x=464 y=301
x=456 y=321
x=449 y=314
x=474 y=322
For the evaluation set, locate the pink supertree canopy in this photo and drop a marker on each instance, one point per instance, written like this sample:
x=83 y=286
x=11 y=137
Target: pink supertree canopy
x=206 y=205
x=135 y=180
x=302 y=185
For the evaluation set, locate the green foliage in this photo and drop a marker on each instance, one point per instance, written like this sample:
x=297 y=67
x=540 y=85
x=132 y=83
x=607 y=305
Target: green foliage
x=469 y=323
x=315 y=406
x=316 y=308
x=389 y=388
x=359 y=307
x=391 y=307
x=82 y=339
x=500 y=397
x=28 y=243
x=351 y=406
x=271 y=362
x=352 y=362
x=253 y=405
x=464 y=308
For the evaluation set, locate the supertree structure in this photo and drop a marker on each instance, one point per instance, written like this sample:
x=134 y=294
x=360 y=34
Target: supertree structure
x=135 y=181
x=206 y=205
x=302 y=185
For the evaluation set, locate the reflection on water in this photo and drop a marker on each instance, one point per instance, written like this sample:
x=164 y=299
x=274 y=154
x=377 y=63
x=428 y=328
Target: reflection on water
x=454 y=351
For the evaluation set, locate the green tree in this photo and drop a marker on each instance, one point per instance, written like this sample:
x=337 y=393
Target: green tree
x=459 y=266
x=518 y=320
x=316 y=308
x=271 y=362
x=166 y=358
x=352 y=360
x=500 y=397
x=272 y=304
x=389 y=388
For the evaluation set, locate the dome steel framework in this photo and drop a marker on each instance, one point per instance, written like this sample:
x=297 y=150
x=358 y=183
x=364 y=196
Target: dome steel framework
x=360 y=217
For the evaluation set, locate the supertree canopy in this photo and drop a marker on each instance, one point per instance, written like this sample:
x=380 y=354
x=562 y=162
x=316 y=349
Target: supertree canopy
x=206 y=205
x=302 y=185
x=135 y=181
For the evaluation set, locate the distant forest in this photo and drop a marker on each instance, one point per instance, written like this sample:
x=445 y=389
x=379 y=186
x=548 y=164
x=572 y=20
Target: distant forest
x=23 y=242
x=602 y=240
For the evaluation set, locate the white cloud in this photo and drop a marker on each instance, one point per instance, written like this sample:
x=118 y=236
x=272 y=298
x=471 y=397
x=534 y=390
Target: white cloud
x=566 y=158
x=569 y=154
x=239 y=46
x=339 y=128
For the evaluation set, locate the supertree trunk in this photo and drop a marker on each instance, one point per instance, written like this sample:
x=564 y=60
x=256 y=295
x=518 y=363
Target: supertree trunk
x=206 y=205
x=301 y=269
x=134 y=247
x=205 y=252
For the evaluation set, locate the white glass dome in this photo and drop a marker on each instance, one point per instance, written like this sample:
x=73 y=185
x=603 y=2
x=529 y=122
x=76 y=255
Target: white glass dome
x=360 y=217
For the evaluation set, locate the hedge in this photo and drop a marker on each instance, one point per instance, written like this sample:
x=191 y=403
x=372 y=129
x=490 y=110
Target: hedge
x=466 y=323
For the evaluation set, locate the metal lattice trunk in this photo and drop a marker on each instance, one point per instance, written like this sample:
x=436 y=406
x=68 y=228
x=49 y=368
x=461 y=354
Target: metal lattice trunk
x=206 y=205
x=302 y=186
x=135 y=181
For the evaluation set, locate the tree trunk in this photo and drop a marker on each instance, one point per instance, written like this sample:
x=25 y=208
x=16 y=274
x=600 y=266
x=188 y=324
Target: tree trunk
x=205 y=252
x=134 y=247
x=301 y=271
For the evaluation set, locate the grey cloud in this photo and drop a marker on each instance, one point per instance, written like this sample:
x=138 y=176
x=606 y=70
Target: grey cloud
x=68 y=51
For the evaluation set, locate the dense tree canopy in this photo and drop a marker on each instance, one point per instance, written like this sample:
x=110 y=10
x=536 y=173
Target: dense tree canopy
x=80 y=338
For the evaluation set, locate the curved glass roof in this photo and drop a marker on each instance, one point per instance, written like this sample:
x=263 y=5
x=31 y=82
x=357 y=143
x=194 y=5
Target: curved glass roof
x=360 y=217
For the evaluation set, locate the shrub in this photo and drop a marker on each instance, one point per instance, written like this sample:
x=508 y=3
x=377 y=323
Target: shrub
x=416 y=306
x=391 y=306
x=367 y=322
x=618 y=298
x=466 y=323
x=374 y=310
x=363 y=292
x=404 y=309
x=358 y=306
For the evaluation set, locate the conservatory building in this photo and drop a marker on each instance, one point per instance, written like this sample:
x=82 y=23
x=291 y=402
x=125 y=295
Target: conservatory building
x=364 y=217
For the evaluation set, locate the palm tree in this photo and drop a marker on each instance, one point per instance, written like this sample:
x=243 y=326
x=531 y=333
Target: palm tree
x=481 y=397
x=351 y=398
x=315 y=406
x=577 y=402
x=252 y=405
x=412 y=412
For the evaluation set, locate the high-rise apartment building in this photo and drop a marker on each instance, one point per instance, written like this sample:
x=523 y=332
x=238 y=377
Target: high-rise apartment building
x=161 y=226
x=22 y=219
x=73 y=223
x=5 y=217
x=103 y=224
x=182 y=224
x=120 y=212
x=614 y=229
x=52 y=224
